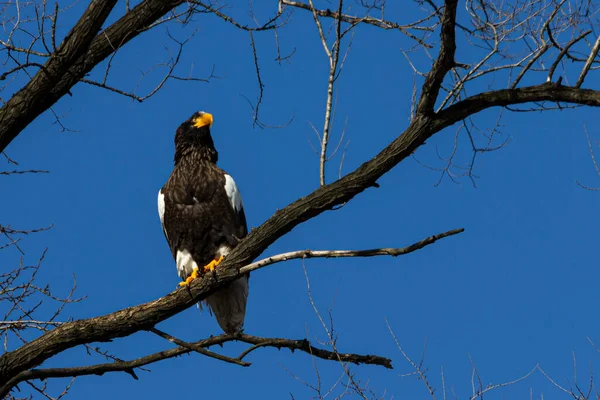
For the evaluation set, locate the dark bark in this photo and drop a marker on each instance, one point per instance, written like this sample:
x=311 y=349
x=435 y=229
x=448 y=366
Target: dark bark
x=443 y=63
x=549 y=91
x=81 y=50
x=129 y=366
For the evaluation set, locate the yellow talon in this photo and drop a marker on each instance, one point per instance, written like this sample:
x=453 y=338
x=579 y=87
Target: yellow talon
x=213 y=264
x=207 y=268
x=190 y=278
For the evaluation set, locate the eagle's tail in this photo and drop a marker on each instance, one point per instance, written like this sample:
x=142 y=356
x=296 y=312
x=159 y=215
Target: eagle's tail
x=228 y=304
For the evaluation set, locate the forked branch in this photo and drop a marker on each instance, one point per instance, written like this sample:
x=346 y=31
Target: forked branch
x=200 y=347
x=444 y=61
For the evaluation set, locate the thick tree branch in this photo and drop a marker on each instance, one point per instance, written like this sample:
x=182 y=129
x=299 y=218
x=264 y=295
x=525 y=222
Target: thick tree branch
x=79 y=53
x=499 y=98
x=142 y=317
x=443 y=63
x=257 y=342
x=81 y=35
x=76 y=43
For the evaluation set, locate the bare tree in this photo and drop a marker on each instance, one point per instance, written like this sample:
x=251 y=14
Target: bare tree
x=539 y=54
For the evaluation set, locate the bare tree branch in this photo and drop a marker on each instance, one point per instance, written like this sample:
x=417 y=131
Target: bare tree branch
x=77 y=55
x=24 y=171
x=333 y=55
x=564 y=52
x=443 y=63
x=271 y=24
x=419 y=368
x=378 y=22
x=200 y=347
x=394 y=252
x=588 y=63
x=549 y=91
x=169 y=65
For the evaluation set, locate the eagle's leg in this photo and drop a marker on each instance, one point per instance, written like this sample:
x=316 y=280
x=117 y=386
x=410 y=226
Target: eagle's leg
x=212 y=265
x=190 y=278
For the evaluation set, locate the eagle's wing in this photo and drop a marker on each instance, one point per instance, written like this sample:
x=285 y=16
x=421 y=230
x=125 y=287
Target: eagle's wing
x=237 y=205
x=199 y=215
x=161 y=211
x=203 y=217
x=228 y=304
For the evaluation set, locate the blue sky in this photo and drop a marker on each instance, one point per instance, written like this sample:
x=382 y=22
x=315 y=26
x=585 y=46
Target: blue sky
x=517 y=288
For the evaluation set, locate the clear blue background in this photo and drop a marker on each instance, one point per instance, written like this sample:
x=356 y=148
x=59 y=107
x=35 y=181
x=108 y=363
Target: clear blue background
x=517 y=288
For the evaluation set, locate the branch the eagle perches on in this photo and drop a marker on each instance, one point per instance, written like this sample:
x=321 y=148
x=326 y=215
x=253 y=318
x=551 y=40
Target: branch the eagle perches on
x=84 y=48
x=144 y=317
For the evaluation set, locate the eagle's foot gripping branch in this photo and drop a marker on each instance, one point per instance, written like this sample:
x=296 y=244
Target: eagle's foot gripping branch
x=190 y=278
x=212 y=265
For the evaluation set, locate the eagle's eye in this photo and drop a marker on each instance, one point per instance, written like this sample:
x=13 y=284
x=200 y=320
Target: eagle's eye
x=204 y=119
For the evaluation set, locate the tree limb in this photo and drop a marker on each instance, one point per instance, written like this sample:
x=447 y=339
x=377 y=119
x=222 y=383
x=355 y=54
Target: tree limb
x=548 y=91
x=305 y=346
x=394 y=252
x=25 y=105
x=128 y=366
x=444 y=61
x=588 y=63
x=79 y=53
x=198 y=349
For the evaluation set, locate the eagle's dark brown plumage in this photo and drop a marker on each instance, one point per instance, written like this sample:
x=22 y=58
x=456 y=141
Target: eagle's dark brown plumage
x=203 y=218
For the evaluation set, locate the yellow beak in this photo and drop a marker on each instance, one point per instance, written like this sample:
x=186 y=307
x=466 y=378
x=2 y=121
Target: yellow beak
x=203 y=120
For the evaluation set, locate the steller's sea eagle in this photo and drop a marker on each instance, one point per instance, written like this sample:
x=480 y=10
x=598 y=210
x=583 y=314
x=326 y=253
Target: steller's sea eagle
x=203 y=218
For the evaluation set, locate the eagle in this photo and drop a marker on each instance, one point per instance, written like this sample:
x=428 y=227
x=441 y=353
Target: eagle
x=203 y=219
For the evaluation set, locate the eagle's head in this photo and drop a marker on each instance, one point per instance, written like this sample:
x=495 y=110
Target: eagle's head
x=193 y=136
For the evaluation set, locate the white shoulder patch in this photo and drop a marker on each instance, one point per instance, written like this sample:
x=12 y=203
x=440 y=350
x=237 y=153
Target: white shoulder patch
x=161 y=207
x=235 y=198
